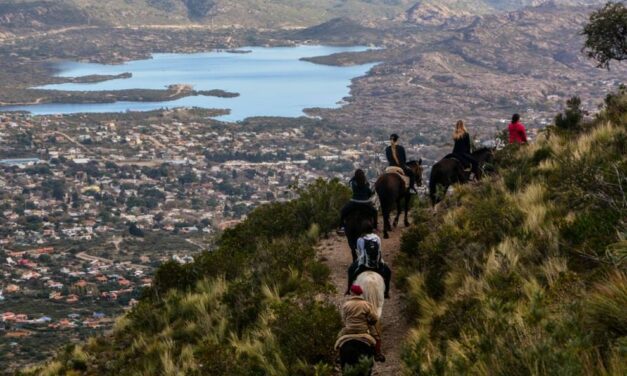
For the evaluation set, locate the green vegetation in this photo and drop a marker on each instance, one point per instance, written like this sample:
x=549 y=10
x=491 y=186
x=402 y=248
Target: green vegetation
x=525 y=273
x=250 y=307
x=606 y=34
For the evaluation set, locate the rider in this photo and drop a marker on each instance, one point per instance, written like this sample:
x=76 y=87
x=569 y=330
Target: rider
x=360 y=329
x=396 y=157
x=517 y=133
x=369 y=258
x=361 y=197
x=461 y=150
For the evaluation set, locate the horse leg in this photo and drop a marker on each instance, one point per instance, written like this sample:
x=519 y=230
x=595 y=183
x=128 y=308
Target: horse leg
x=385 y=209
x=399 y=210
x=352 y=244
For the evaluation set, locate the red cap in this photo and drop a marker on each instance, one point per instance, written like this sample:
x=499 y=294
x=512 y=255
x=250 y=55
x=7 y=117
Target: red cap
x=356 y=290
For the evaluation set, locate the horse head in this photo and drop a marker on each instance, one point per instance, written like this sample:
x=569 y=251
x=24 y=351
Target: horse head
x=484 y=155
x=416 y=167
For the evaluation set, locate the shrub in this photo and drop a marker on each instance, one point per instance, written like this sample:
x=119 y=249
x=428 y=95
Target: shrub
x=571 y=119
x=293 y=327
x=604 y=308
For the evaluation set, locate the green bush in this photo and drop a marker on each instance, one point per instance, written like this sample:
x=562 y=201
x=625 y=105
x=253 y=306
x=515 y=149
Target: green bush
x=293 y=327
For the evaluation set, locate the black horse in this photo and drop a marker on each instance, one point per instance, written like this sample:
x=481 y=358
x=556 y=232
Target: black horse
x=352 y=353
x=449 y=171
x=392 y=191
x=358 y=223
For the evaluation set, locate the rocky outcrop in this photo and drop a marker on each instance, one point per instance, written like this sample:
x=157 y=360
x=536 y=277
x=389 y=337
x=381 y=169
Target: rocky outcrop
x=40 y=15
x=199 y=8
x=432 y=14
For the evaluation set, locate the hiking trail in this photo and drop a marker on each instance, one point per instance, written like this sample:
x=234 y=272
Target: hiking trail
x=334 y=252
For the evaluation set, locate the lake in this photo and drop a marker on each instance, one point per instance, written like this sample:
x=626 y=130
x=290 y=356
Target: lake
x=270 y=81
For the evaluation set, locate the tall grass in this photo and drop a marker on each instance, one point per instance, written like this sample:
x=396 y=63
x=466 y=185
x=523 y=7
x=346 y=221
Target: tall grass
x=523 y=274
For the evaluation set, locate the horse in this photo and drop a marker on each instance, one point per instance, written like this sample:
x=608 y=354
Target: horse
x=391 y=190
x=449 y=171
x=358 y=222
x=351 y=352
x=373 y=287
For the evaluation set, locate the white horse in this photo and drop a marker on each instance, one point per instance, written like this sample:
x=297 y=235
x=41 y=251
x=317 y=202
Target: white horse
x=373 y=287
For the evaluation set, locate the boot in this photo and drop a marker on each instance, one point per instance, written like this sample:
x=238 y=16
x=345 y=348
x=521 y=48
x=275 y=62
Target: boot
x=378 y=354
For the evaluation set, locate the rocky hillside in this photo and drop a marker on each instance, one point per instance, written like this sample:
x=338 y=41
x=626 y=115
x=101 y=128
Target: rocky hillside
x=42 y=14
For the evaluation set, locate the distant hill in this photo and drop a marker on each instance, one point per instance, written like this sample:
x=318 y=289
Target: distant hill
x=244 y=13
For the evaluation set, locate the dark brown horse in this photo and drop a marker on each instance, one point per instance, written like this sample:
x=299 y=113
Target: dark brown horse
x=392 y=191
x=449 y=171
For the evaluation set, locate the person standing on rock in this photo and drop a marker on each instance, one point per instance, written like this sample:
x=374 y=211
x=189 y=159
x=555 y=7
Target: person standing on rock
x=517 y=132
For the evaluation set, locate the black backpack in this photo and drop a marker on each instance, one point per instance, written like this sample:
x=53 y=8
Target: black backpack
x=372 y=254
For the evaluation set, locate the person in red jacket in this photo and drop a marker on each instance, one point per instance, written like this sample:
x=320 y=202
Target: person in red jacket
x=517 y=133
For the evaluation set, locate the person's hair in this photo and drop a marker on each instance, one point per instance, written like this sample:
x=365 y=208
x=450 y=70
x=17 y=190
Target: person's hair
x=460 y=130
x=366 y=227
x=394 y=137
x=360 y=177
x=515 y=118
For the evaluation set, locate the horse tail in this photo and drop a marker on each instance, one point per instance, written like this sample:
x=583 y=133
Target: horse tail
x=373 y=287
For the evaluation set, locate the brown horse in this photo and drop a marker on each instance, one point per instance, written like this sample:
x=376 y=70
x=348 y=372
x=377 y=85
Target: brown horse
x=391 y=190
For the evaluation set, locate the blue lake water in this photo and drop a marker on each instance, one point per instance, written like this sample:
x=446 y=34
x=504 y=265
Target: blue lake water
x=270 y=81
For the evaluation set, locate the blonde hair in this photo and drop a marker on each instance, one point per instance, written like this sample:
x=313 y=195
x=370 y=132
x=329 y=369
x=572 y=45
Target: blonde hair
x=460 y=130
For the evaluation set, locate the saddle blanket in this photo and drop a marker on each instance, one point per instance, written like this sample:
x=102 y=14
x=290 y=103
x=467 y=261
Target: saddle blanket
x=398 y=171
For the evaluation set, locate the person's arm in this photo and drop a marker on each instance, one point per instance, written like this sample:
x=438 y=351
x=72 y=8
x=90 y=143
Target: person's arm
x=402 y=156
x=370 y=190
x=372 y=319
x=467 y=143
x=523 y=133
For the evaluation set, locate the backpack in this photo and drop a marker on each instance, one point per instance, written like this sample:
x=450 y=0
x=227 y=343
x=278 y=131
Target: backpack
x=372 y=254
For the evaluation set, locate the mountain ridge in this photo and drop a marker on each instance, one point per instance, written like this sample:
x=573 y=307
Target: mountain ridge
x=271 y=14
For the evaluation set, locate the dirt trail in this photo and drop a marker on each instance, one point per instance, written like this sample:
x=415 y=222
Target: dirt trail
x=336 y=254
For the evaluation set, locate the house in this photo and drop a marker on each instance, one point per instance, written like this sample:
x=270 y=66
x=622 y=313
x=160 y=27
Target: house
x=54 y=285
x=10 y=289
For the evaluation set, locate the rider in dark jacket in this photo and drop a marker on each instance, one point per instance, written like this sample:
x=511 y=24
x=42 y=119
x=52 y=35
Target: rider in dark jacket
x=461 y=149
x=396 y=157
x=362 y=193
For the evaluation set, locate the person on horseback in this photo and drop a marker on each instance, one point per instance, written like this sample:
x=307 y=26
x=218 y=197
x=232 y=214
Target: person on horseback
x=517 y=132
x=396 y=157
x=461 y=149
x=362 y=194
x=359 y=336
x=369 y=258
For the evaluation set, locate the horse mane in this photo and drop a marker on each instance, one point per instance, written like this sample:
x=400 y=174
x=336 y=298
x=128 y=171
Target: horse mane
x=414 y=163
x=373 y=286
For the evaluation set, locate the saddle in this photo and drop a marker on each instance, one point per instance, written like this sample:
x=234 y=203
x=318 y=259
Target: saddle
x=398 y=171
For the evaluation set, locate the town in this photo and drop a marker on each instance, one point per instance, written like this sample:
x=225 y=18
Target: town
x=90 y=205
